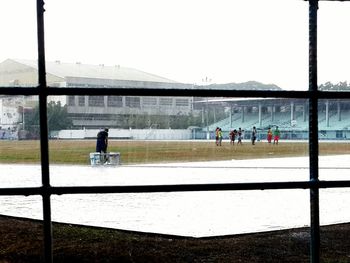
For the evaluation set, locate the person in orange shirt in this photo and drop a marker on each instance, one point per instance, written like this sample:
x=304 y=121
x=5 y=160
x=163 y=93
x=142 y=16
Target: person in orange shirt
x=269 y=135
x=217 y=136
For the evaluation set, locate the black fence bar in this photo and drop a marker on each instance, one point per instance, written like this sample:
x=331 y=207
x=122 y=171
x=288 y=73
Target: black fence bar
x=313 y=135
x=59 y=190
x=44 y=145
x=28 y=91
x=54 y=91
x=199 y=187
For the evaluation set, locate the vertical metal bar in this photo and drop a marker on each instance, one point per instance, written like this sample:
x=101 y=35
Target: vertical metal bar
x=313 y=134
x=44 y=145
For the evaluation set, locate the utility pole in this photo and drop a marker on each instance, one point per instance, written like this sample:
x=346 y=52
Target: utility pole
x=206 y=82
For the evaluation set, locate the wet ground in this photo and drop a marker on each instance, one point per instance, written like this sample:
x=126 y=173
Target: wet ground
x=195 y=214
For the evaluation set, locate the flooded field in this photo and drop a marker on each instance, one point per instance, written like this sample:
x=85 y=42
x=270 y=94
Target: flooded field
x=196 y=214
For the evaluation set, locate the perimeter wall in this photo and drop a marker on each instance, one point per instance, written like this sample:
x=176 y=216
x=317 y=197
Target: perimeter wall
x=135 y=134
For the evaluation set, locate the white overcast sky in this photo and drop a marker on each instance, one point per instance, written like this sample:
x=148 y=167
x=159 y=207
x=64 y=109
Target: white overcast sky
x=186 y=40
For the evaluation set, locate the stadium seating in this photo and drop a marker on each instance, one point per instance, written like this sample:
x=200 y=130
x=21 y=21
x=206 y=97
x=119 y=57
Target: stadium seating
x=296 y=129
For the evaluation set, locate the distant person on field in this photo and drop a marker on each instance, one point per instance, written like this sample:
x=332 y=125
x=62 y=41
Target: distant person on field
x=232 y=135
x=217 y=136
x=253 y=135
x=276 y=135
x=269 y=135
x=239 y=134
x=102 y=143
x=220 y=136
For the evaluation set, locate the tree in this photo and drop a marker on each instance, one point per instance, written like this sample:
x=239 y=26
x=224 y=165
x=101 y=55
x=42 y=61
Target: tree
x=329 y=86
x=57 y=117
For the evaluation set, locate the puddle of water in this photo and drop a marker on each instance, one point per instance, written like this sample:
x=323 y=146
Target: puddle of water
x=196 y=214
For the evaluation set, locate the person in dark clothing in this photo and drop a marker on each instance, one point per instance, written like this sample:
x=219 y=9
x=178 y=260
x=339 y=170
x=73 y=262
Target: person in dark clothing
x=217 y=136
x=240 y=135
x=233 y=136
x=102 y=143
x=254 y=132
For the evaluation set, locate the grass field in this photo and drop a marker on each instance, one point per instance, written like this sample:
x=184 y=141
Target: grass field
x=136 y=152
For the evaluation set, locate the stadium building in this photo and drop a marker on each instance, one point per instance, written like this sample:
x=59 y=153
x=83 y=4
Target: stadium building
x=99 y=111
x=290 y=115
x=92 y=112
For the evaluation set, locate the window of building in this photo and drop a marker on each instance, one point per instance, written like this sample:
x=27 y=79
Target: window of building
x=96 y=101
x=71 y=100
x=149 y=101
x=132 y=102
x=165 y=101
x=115 y=101
x=182 y=102
x=81 y=101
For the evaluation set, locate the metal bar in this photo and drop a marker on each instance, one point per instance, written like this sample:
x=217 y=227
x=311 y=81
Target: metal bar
x=177 y=92
x=19 y=91
x=27 y=191
x=313 y=135
x=197 y=92
x=190 y=188
x=44 y=145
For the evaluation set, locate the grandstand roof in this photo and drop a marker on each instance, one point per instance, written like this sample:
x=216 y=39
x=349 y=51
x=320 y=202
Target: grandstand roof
x=61 y=69
x=248 y=85
x=232 y=99
x=250 y=101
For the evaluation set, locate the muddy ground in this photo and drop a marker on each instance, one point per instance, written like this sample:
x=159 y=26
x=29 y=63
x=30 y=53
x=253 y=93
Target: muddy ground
x=22 y=241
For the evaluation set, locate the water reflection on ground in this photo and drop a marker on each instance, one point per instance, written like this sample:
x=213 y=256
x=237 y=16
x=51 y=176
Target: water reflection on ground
x=195 y=214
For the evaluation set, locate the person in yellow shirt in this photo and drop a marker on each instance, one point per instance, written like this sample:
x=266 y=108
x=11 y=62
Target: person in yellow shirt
x=220 y=136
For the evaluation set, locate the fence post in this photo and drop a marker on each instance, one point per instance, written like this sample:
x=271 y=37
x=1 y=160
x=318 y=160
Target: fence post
x=313 y=134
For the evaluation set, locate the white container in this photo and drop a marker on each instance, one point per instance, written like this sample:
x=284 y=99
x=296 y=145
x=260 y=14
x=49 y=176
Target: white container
x=113 y=158
x=95 y=158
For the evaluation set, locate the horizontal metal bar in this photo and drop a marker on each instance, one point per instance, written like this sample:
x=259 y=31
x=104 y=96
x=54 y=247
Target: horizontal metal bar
x=176 y=92
x=19 y=91
x=26 y=191
x=331 y=0
x=198 y=92
x=54 y=190
x=183 y=188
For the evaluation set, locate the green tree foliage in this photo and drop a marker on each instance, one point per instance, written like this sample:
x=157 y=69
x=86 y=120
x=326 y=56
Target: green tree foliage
x=146 y=121
x=57 y=117
x=31 y=118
